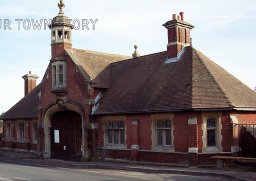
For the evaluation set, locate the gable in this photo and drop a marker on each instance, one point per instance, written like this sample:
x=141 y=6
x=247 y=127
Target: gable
x=91 y=63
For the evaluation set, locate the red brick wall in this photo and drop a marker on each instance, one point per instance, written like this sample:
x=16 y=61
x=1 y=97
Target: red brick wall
x=226 y=132
x=145 y=131
x=14 y=143
x=181 y=131
x=163 y=157
x=58 y=49
x=29 y=85
x=185 y=136
x=76 y=91
x=180 y=35
x=246 y=118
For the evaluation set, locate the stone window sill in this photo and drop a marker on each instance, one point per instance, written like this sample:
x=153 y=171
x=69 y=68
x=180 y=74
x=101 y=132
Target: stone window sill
x=163 y=149
x=116 y=147
x=211 y=149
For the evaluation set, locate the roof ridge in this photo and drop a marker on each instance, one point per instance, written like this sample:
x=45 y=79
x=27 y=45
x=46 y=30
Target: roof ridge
x=137 y=58
x=210 y=74
x=103 y=53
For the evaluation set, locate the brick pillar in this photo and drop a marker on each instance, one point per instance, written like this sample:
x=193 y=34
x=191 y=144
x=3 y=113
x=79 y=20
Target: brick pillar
x=235 y=138
x=193 y=141
x=27 y=135
x=135 y=140
x=40 y=134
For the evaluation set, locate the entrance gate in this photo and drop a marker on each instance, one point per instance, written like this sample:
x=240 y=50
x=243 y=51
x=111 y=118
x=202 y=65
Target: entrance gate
x=66 y=136
x=247 y=139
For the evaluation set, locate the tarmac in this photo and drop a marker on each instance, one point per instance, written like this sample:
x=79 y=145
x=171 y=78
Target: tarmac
x=234 y=172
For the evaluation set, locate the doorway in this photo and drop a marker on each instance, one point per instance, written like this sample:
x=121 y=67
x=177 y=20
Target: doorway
x=66 y=136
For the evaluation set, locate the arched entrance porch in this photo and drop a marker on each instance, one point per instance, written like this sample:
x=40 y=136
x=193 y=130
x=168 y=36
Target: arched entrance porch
x=54 y=119
x=66 y=136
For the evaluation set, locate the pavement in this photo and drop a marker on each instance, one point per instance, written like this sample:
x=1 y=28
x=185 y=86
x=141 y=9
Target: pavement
x=234 y=172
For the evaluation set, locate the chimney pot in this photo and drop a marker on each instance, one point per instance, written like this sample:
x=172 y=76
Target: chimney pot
x=174 y=17
x=178 y=17
x=182 y=16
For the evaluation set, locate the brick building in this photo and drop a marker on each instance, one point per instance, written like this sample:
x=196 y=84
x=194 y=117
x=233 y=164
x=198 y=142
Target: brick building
x=1 y=131
x=175 y=106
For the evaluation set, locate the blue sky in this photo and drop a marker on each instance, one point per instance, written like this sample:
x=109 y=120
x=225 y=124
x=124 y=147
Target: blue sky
x=224 y=31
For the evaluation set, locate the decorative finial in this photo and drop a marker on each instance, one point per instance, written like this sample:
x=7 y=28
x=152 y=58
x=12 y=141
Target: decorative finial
x=136 y=52
x=61 y=5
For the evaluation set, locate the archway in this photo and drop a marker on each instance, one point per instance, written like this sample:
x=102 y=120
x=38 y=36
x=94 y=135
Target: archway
x=49 y=131
x=66 y=135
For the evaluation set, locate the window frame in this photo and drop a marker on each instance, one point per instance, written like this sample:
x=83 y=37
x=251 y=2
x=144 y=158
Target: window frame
x=34 y=132
x=56 y=73
x=112 y=144
x=12 y=131
x=218 y=136
x=21 y=132
x=7 y=131
x=163 y=131
x=164 y=147
x=211 y=128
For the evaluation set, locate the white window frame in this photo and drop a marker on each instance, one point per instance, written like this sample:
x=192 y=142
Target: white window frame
x=164 y=147
x=55 y=75
x=218 y=136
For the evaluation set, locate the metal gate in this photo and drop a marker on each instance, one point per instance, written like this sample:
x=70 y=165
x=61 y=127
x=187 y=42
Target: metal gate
x=247 y=139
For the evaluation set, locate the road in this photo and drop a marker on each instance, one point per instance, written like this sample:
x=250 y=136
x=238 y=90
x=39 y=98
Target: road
x=12 y=169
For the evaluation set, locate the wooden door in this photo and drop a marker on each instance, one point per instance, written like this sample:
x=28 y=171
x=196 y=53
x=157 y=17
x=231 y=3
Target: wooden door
x=66 y=136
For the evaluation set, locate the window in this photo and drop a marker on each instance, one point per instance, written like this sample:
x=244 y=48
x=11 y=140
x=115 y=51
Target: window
x=163 y=133
x=21 y=131
x=212 y=137
x=60 y=34
x=115 y=133
x=53 y=34
x=211 y=132
x=35 y=136
x=12 y=129
x=8 y=131
x=59 y=75
x=67 y=36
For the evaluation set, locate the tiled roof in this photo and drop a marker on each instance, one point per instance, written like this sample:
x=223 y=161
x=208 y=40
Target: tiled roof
x=26 y=108
x=92 y=63
x=149 y=84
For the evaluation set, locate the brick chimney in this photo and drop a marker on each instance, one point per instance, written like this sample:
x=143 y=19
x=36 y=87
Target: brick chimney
x=29 y=82
x=178 y=34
